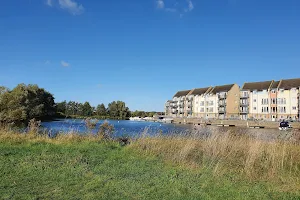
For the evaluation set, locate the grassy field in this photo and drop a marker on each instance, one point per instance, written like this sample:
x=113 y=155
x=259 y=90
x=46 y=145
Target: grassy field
x=74 y=167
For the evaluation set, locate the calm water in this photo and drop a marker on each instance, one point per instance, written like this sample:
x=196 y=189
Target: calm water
x=135 y=129
x=122 y=127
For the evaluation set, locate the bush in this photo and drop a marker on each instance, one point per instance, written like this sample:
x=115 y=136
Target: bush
x=106 y=130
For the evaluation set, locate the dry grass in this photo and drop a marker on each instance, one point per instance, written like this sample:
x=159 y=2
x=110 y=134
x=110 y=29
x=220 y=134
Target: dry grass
x=229 y=153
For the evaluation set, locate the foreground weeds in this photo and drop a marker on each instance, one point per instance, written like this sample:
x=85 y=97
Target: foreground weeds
x=218 y=166
x=224 y=153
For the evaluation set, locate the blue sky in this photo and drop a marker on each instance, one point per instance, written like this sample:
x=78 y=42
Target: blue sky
x=142 y=52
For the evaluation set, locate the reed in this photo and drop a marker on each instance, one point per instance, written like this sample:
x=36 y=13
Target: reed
x=228 y=152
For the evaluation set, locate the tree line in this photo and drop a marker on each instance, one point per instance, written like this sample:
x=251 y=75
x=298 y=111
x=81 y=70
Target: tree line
x=25 y=102
x=114 y=110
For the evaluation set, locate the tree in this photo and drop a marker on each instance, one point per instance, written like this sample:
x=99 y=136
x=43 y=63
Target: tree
x=26 y=102
x=87 y=109
x=61 y=107
x=101 y=110
x=118 y=110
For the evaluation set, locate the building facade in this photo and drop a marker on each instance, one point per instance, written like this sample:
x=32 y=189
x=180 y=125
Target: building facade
x=199 y=105
x=266 y=100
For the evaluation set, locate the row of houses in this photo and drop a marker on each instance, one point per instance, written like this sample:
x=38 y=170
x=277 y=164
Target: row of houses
x=267 y=100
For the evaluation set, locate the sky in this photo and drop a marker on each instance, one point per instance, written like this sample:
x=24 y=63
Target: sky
x=143 y=52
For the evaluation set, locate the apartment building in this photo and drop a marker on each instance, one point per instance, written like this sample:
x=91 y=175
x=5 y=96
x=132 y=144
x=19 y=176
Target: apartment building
x=199 y=99
x=288 y=99
x=255 y=100
x=224 y=103
x=188 y=104
x=273 y=100
x=266 y=100
x=176 y=107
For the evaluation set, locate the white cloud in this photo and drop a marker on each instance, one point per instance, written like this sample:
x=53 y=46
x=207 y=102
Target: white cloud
x=71 y=6
x=49 y=3
x=65 y=64
x=160 y=4
x=190 y=6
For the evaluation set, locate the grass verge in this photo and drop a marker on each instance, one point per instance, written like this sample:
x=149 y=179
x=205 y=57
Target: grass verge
x=76 y=167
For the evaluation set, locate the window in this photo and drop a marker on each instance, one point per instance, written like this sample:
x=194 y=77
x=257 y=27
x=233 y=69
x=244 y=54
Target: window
x=294 y=108
x=254 y=108
x=273 y=91
x=262 y=109
x=284 y=101
x=254 y=100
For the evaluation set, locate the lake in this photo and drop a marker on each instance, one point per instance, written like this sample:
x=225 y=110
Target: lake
x=136 y=128
x=122 y=127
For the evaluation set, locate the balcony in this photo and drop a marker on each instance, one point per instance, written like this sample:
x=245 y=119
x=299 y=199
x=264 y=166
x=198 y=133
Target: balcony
x=174 y=105
x=244 y=103
x=222 y=103
x=244 y=111
x=221 y=110
x=222 y=96
x=189 y=103
x=244 y=95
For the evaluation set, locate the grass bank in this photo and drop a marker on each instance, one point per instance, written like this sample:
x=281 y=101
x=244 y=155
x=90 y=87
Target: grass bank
x=77 y=167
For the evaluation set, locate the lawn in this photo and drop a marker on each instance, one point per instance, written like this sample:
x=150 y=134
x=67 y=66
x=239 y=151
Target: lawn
x=42 y=169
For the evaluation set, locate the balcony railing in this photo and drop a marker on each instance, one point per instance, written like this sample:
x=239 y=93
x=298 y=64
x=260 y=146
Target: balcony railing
x=221 y=110
x=244 y=95
x=243 y=103
x=244 y=111
x=222 y=103
x=222 y=96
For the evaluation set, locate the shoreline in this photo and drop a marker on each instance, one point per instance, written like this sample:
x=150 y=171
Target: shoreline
x=234 y=123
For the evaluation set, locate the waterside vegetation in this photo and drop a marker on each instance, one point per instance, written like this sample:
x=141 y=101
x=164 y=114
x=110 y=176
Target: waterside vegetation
x=225 y=165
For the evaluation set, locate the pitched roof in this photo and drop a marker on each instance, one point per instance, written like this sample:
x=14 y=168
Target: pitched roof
x=257 y=86
x=199 y=91
x=221 y=88
x=182 y=93
x=289 y=83
x=275 y=84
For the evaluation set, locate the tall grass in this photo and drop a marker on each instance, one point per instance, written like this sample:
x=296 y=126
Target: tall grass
x=229 y=152
x=222 y=152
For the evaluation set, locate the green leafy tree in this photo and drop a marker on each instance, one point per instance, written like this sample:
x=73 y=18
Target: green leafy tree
x=101 y=110
x=118 y=110
x=61 y=107
x=26 y=102
x=87 y=109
